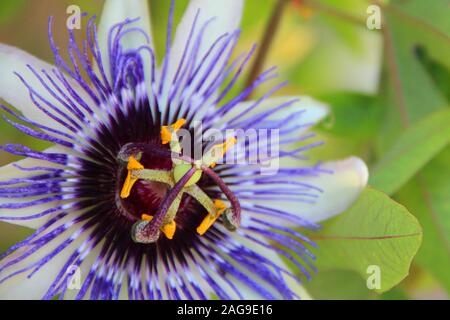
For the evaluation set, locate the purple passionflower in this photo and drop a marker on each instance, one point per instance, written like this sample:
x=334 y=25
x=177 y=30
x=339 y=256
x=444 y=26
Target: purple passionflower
x=118 y=203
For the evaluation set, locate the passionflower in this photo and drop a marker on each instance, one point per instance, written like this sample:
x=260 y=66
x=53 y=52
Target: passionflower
x=124 y=202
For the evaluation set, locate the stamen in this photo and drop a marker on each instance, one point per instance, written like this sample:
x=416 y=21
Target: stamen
x=146 y=217
x=168 y=229
x=148 y=231
x=210 y=218
x=168 y=131
x=234 y=217
x=132 y=178
x=217 y=152
x=157 y=176
x=181 y=179
x=198 y=194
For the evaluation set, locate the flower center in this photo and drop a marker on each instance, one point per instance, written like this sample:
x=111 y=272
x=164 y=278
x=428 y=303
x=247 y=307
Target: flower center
x=160 y=183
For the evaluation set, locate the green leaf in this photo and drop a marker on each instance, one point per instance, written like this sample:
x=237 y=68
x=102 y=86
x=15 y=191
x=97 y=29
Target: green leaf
x=159 y=12
x=417 y=43
x=350 y=128
x=411 y=152
x=429 y=20
x=338 y=285
x=432 y=15
x=428 y=197
x=9 y=8
x=353 y=114
x=409 y=91
x=375 y=231
x=439 y=73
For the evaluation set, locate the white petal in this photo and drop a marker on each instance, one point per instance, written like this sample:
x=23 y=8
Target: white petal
x=291 y=116
x=312 y=111
x=226 y=15
x=299 y=290
x=21 y=287
x=11 y=172
x=341 y=189
x=116 y=11
x=250 y=294
x=13 y=91
x=294 y=286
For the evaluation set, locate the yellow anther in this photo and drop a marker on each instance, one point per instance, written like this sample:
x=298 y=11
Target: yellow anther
x=210 y=218
x=221 y=149
x=166 y=131
x=146 y=217
x=131 y=179
x=133 y=164
x=220 y=206
x=168 y=229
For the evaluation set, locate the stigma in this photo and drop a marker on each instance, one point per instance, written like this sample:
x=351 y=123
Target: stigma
x=181 y=179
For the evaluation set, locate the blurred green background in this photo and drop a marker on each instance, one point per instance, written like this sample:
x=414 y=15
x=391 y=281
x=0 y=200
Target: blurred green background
x=388 y=88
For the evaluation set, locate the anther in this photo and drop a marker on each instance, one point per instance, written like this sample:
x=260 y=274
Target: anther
x=167 y=131
x=217 y=152
x=234 y=217
x=132 y=177
x=149 y=231
x=168 y=229
x=211 y=218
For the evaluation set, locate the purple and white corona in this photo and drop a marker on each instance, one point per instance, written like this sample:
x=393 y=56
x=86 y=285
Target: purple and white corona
x=120 y=202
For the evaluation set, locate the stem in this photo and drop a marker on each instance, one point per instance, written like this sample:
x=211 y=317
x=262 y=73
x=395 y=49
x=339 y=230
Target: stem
x=269 y=35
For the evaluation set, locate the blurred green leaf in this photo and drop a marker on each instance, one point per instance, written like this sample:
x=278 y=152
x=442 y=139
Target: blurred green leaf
x=409 y=90
x=415 y=85
x=11 y=234
x=430 y=25
x=338 y=285
x=394 y=294
x=9 y=8
x=374 y=231
x=428 y=197
x=438 y=72
x=159 y=12
x=433 y=15
x=337 y=24
x=353 y=114
x=251 y=20
x=411 y=151
x=342 y=54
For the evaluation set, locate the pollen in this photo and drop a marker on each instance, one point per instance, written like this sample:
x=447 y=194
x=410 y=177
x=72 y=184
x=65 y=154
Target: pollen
x=167 y=131
x=211 y=218
x=131 y=179
x=168 y=229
